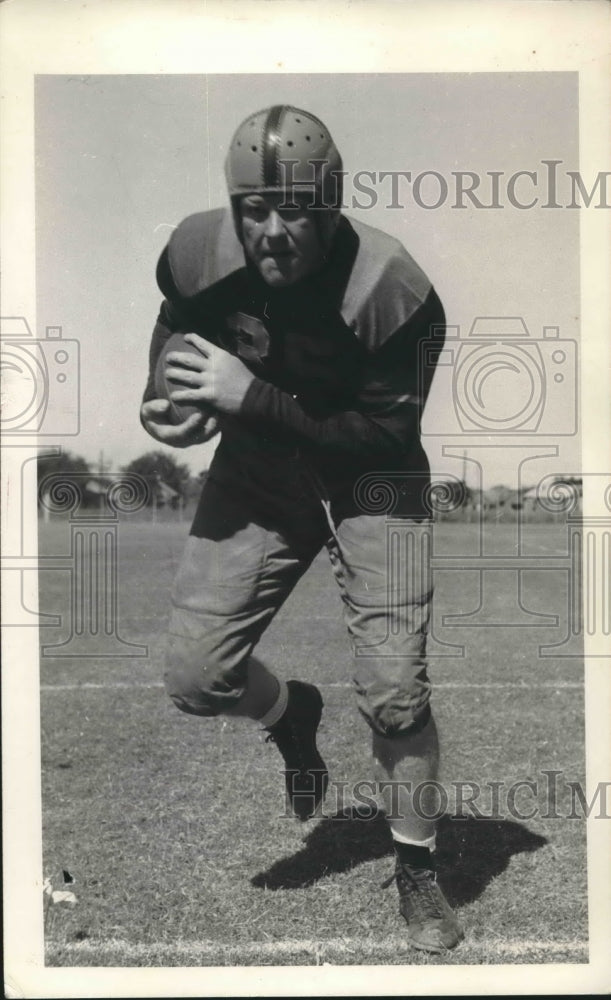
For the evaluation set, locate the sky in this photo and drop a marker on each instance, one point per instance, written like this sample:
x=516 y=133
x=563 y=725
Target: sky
x=121 y=159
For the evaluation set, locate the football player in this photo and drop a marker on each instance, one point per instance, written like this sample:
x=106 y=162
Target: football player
x=308 y=328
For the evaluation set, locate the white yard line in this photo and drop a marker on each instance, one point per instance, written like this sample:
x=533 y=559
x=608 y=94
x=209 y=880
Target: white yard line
x=278 y=949
x=116 y=685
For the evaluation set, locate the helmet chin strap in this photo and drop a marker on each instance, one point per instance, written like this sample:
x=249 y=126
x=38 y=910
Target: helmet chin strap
x=327 y=223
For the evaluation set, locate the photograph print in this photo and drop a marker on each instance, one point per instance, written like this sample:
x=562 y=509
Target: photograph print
x=316 y=575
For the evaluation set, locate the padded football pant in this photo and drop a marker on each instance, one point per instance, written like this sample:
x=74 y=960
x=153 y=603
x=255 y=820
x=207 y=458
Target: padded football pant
x=238 y=569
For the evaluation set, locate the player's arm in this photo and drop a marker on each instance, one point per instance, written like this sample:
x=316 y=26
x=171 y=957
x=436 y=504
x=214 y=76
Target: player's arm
x=385 y=420
x=154 y=412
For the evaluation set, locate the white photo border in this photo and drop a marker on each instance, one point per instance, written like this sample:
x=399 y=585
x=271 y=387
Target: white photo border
x=261 y=36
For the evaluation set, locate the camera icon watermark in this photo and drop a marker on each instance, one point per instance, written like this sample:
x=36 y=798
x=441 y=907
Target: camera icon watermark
x=502 y=380
x=40 y=381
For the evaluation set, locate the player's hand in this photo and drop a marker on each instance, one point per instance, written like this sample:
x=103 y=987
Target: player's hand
x=196 y=429
x=217 y=378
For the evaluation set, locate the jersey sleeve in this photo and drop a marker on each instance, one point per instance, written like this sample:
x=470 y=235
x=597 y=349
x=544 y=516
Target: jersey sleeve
x=189 y=302
x=172 y=318
x=384 y=422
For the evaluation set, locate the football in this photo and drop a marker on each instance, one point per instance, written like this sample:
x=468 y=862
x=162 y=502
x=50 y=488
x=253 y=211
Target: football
x=178 y=412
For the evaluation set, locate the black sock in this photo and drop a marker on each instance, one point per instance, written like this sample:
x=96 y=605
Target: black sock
x=414 y=856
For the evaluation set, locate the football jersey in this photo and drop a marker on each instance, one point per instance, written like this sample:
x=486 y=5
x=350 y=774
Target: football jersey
x=341 y=376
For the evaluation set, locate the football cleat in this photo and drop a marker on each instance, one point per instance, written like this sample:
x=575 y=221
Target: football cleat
x=306 y=774
x=432 y=924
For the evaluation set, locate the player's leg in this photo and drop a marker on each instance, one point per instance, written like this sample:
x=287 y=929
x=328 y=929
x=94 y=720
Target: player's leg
x=408 y=763
x=265 y=698
x=234 y=576
x=386 y=589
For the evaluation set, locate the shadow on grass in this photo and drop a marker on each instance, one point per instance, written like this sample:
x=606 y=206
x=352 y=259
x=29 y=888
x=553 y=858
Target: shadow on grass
x=470 y=852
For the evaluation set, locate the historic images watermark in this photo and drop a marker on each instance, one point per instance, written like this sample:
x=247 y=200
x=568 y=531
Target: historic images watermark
x=515 y=391
x=41 y=399
x=540 y=373
x=550 y=795
x=580 y=607
x=40 y=381
x=91 y=561
x=547 y=186
x=503 y=380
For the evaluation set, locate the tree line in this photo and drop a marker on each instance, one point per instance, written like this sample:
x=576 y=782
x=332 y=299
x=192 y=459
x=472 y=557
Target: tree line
x=169 y=481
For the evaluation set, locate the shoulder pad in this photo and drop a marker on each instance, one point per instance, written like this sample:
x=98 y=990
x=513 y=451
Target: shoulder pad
x=202 y=250
x=386 y=287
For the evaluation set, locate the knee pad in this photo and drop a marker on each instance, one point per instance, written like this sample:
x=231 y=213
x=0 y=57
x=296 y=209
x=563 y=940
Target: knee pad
x=196 y=682
x=392 y=711
x=191 y=704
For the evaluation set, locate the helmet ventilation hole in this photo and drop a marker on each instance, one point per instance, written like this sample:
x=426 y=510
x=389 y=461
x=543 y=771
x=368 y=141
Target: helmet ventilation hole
x=256 y=153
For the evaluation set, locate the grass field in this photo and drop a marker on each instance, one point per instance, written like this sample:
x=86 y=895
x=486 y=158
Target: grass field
x=172 y=827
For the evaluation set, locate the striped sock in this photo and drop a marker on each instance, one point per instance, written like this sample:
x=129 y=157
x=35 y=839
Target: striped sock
x=275 y=713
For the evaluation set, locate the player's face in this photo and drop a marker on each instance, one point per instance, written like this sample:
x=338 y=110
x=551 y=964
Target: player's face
x=282 y=241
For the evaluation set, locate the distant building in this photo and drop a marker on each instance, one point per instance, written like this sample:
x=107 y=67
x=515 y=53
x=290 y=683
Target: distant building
x=550 y=500
x=94 y=488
